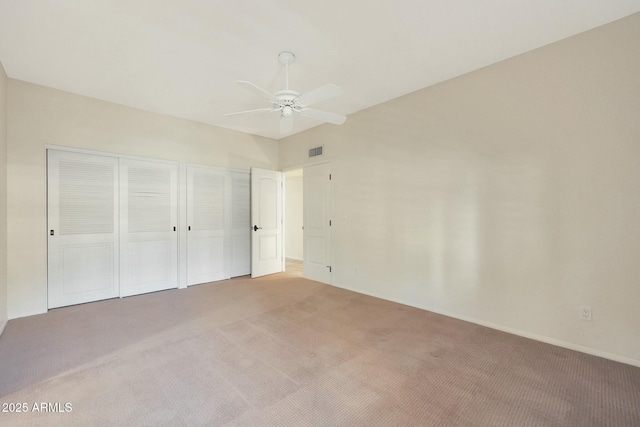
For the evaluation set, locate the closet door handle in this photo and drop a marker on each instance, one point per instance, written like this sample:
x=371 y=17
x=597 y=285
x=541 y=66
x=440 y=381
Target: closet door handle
x=256 y=228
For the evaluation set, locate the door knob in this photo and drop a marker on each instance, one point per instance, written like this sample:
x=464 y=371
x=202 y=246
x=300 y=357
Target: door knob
x=256 y=228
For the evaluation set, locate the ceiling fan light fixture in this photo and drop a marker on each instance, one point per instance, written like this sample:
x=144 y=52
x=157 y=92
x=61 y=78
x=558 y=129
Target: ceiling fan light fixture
x=287 y=111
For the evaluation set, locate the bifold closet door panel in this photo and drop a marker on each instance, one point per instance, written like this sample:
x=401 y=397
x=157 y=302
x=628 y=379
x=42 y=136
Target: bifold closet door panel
x=240 y=223
x=208 y=244
x=148 y=226
x=82 y=220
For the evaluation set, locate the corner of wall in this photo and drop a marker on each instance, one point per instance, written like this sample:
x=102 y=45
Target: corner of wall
x=3 y=199
x=501 y=188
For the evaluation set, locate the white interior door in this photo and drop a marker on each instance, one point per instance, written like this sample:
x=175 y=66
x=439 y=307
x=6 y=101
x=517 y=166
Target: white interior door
x=207 y=217
x=240 y=224
x=82 y=206
x=148 y=226
x=266 y=219
x=317 y=222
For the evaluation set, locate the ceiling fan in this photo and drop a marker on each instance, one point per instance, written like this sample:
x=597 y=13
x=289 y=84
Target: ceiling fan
x=287 y=101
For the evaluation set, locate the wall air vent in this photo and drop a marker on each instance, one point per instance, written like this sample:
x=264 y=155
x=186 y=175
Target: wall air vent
x=317 y=151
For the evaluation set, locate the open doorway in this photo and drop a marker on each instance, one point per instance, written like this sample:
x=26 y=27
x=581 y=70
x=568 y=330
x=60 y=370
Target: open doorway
x=293 y=223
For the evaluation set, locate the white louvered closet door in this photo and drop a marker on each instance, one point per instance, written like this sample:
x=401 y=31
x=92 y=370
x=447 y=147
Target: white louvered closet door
x=240 y=223
x=207 y=222
x=148 y=226
x=82 y=204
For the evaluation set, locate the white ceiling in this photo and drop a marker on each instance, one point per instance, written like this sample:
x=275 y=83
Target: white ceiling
x=179 y=57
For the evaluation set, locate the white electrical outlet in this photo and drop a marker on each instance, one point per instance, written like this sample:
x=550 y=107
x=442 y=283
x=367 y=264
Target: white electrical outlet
x=585 y=313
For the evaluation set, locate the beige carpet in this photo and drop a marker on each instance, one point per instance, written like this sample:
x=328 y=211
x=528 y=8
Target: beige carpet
x=294 y=267
x=283 y=350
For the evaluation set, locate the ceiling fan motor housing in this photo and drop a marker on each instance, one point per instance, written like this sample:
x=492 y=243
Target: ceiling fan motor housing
x=287 y=95
x=286 y=102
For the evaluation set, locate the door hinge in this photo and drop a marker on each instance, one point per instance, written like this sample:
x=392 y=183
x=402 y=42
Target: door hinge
x=329 y=223
x=329 y=177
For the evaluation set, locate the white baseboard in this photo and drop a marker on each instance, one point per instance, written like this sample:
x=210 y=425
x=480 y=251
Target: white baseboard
x=2 y=325
x=525 y=334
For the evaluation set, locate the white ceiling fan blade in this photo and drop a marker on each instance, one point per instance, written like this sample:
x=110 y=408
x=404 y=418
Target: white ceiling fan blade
x=257 y=110
x=320 y=94
x=286 y=125
x=324 y=116
x=258 y=89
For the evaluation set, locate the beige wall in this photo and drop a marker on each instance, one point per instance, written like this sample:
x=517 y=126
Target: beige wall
x=293 y=214
x=3 y=198
x=38 y=116
x=508 y=196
